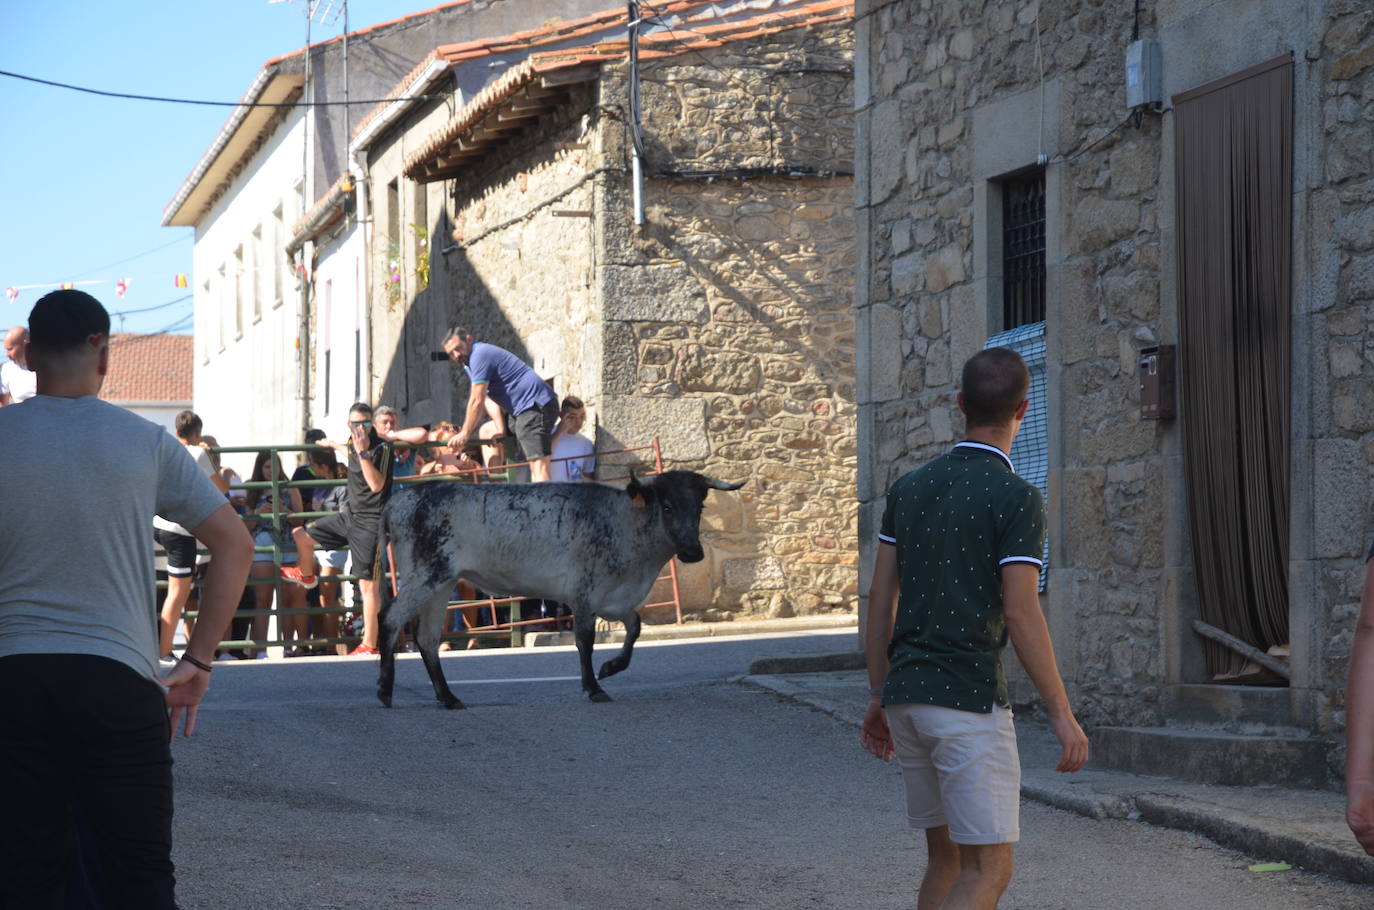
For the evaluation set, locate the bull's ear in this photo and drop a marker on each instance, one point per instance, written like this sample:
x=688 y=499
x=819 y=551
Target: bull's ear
x=720 y=484
x=636 y=491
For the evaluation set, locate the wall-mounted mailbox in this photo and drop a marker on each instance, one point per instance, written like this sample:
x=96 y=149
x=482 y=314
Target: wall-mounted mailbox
x=1157 y=383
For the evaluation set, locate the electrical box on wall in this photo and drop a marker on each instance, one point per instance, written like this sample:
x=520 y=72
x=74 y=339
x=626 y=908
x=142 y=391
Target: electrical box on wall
x=1144 y=73
x=1157 y=382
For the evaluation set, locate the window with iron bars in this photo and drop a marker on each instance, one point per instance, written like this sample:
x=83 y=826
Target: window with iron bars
x=1023 y=250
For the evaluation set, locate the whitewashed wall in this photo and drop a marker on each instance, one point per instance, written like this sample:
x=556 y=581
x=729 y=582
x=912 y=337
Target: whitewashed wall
x=247 y=302
x=339 y=301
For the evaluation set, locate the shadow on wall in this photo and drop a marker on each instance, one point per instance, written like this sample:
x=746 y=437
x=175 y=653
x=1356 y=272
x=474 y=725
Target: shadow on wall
x=416 y=377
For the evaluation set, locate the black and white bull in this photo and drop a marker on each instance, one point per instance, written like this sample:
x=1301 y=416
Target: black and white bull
x=595 y=547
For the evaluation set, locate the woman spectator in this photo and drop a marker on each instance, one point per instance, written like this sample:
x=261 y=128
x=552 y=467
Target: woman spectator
x=263 y=502
x=325 y=466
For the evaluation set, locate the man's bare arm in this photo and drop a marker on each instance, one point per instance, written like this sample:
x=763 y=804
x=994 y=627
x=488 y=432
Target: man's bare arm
x=1030 y=636
x=409 y=435
x=231 y=551
x=882 y=614
x=1359 y=723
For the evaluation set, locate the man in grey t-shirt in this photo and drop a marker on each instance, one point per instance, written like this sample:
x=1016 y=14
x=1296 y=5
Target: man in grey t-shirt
x=85 y=715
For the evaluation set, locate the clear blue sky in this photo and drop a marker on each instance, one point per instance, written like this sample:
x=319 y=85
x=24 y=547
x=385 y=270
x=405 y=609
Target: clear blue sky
x=83 y=178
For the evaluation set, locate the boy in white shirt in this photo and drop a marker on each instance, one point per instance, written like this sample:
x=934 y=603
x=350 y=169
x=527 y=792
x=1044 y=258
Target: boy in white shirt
x=574 y=456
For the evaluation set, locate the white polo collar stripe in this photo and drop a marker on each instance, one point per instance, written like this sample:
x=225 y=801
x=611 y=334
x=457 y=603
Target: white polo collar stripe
x=978 y=445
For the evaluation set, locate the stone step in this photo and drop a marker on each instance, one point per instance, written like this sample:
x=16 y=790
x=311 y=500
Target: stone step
x=1235 y=709
x=1214 y=756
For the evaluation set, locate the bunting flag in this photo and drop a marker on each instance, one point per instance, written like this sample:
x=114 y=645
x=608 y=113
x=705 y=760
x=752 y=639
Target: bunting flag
x=121 y=285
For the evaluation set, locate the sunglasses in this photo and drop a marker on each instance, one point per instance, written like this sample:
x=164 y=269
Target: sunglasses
x=360 y=423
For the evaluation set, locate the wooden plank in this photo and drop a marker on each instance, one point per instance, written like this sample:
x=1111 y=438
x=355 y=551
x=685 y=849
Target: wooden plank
x=1243 y=648
x=570 y=76
x=547 y=102
x=509 y=115
x=571 y=213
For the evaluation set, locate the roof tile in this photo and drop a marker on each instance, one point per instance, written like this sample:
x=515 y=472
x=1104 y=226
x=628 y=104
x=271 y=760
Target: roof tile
x=149 y=368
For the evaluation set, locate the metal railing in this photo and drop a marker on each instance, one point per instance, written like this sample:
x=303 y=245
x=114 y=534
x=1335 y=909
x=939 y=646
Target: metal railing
x=279 y=519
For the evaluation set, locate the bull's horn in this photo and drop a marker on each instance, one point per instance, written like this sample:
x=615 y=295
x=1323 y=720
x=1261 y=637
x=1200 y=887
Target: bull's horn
x=720 y=484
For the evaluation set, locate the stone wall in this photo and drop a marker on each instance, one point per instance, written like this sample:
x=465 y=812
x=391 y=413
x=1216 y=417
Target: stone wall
x=500 y=263
x=728 y=328
x=1340 y=254
x=952 y=96
x=723 y=326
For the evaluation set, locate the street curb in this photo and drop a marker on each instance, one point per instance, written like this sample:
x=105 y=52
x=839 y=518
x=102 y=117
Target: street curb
x=808 y=663
x=823 y=623
x=1238 y=834
x=1227 y=826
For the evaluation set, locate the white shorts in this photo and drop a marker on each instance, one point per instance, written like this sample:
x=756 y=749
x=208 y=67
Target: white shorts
x=961 y=769
x=263 y=538
x=335 y=559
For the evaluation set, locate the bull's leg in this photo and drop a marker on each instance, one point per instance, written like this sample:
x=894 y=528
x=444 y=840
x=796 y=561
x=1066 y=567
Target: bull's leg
x=584 y=631
x=622 y=660
x=427 y=635
x=395 y=613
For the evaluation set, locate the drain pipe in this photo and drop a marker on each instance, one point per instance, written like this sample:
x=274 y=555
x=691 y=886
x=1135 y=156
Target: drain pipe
x=359 y=172
x=636 y=143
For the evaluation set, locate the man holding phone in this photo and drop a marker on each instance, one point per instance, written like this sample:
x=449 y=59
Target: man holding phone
x=357 y=527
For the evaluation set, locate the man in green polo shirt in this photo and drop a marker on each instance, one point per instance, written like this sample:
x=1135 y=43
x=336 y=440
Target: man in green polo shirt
x=957 y=572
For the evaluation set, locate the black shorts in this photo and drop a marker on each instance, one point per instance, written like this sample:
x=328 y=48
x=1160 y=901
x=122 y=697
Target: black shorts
x=344 y=530
x=533 y=428
x=181 y=551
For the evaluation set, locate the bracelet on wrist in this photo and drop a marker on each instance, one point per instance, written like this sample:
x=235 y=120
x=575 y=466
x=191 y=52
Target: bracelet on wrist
x=875 y=691
x=198 y=664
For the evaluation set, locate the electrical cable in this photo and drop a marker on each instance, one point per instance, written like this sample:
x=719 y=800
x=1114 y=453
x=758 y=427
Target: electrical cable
x=133 y=97
x=183 y=323
x=149 y=309
x=1100 y=139
x=155 y=249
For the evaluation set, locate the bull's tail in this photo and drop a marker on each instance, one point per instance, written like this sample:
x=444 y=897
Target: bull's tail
x=383 y=559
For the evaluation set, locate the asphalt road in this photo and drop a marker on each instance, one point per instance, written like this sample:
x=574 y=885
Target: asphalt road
x=689 y=791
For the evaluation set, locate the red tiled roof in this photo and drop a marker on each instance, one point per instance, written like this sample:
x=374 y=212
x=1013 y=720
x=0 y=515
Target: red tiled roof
x=651 y=46
x=149 y=368
x=555 y=30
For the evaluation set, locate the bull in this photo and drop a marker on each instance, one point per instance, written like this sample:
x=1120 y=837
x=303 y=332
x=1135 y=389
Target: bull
x=595 y=547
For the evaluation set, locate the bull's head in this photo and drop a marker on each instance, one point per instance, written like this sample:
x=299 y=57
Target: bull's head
x=678 y=496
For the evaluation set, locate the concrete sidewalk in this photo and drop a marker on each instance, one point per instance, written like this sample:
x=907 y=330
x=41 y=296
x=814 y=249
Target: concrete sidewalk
x=827 y=622
x=1305 y=828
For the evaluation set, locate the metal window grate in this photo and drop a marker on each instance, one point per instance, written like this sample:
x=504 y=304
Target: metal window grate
x=1023 y=250
x=1030 y=453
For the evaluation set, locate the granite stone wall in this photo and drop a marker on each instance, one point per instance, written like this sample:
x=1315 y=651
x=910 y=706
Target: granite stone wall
x=723 y=325
x=951 y=97
x=727 y=316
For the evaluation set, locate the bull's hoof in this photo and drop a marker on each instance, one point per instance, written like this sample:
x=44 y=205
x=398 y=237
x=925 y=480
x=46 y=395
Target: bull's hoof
x=384 y=699
x=599 y=695
x=610 y=668
x=452 y=703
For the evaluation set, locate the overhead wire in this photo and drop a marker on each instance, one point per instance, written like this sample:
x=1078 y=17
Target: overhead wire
x=155 y=249
x=149 y=309
x=135 y=97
